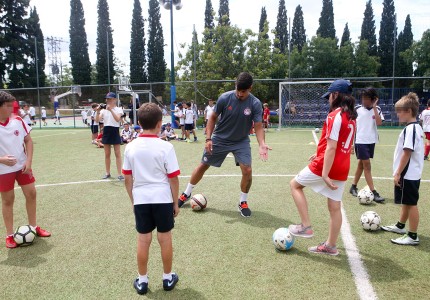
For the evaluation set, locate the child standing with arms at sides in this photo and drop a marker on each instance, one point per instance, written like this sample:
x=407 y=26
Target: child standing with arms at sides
x=16 y=155
x=43 y=113
x=57 y=117
x=111 y=116
x=369 y=117
x=189 y=122
x=328 y=170
x=425 y=119
x=153 y=187
x=408 y=166
x=94 y=126
x=266 y=116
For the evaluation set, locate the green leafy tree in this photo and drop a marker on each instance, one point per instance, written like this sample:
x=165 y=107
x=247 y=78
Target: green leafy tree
x=137 y=45
x=406 y=40
x=263 y=20
x=300 y=62
x=298 y=32
x=223 y=13
x=387 y=34
x=2 y=45
x=281 y=29
x=346 y=36
x=324 y=57
x=209 y=20
x=326 y=21
x=34 y=31
x=421 y=56
x=365 y=65
x=78 y=47
x=15 y=43
x=346 y=60
x=156 y=63
x=368 y=29
x=105 y=61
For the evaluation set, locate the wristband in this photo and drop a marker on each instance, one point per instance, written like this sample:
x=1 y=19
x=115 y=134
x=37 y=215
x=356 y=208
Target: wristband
x=207 y=140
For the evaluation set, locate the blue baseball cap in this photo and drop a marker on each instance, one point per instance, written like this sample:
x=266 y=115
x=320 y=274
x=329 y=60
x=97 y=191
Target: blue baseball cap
x=137 y=127
x=341 y=85
x=110 y=95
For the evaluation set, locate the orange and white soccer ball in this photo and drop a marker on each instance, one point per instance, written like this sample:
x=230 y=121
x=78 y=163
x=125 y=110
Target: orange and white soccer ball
x=198 y=202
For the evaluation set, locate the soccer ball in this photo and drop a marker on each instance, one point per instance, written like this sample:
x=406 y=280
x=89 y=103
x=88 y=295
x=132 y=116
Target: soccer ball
x=365 y=196
x=283 y=239
x=24 y=235
x=317 y=130
x=370 y=221
x=198 y=202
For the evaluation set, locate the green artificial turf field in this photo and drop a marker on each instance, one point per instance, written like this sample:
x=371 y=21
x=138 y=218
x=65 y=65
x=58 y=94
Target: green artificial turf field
x=217 y=253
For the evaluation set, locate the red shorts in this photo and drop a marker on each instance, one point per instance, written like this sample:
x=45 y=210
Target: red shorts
x=7 y=181
x=427 y=135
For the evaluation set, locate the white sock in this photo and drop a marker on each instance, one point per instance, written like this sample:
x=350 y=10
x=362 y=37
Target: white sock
x=167 y=276
x=243 y=197
x=143 y=278
x=189 y=189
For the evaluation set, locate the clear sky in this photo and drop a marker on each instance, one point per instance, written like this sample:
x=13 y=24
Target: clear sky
x=55 y=16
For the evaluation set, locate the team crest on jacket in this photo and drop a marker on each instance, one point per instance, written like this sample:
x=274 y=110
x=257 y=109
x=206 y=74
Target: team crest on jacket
x=247 y=111
x=16 y=132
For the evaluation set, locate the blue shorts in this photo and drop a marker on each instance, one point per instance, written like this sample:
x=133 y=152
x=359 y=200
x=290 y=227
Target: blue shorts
x=241 y=151
x=151 y=216
x=364 y=151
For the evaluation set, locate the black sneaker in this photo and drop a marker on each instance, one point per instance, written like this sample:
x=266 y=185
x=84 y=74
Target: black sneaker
x=353 y=191
x=182 y=199
x=426 y=158
x=244 y=209
x=107 y=176
x=169 y=285
x=120 y=177
x=195 y=139
x=377 y=198
x=141 y=288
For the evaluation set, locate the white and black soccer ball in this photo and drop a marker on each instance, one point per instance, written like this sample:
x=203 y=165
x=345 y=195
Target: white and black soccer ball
x=282 y=239
x=24 y=235
x=365 y=196
x=317 y=130
x=370 y=221
x=198 y=202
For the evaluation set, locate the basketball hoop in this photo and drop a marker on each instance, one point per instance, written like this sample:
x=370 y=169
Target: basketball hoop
x=123 y=83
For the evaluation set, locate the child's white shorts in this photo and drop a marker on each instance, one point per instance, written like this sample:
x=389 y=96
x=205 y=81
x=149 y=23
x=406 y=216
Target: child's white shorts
x=316 y=183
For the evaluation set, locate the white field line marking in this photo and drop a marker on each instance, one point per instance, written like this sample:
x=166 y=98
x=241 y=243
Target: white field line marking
x=41 y=136
x=188 y=176
x=361 y=277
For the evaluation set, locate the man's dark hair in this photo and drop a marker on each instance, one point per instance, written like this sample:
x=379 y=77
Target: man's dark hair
x=189 y=104
x=149 y=114
x=370 y=92
x=243 y=81
x=5 y=97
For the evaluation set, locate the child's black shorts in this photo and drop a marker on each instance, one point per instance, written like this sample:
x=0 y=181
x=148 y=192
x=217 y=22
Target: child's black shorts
x=408 y=192
x=151 y=216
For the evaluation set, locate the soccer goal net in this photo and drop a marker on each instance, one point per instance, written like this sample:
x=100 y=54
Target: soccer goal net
x=300 y=103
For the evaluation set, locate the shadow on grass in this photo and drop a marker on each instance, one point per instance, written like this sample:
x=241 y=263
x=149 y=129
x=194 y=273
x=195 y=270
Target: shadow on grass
x=29 y=256
x=387 y=269
x=258 y=218
x=424 y=243
x=176 y=294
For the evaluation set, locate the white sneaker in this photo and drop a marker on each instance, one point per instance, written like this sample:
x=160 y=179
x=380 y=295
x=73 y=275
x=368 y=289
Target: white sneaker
x=406 y=240
x=394 y=228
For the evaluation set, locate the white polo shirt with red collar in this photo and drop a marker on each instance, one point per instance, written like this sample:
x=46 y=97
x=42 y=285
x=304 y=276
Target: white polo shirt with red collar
x=152 y=162
x=12 y=134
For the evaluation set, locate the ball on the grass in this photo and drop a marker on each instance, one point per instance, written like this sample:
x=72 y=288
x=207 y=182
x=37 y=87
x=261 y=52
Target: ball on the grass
x=283 y=239
x=370 y=221
x=198 y=202
x=365 y=196
x=317 y=130
x=24 y=235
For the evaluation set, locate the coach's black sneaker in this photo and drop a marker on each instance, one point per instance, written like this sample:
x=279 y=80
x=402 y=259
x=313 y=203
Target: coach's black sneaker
x=107 y=176
x=353 y=190
x=182 y=199
x=244 y=209
x=141 y=288
x=377 y=198
x=169 y=285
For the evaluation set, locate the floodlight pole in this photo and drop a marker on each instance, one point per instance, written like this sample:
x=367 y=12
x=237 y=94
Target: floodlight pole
x=394 y=59
x=37 y=81
x=172 y=57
